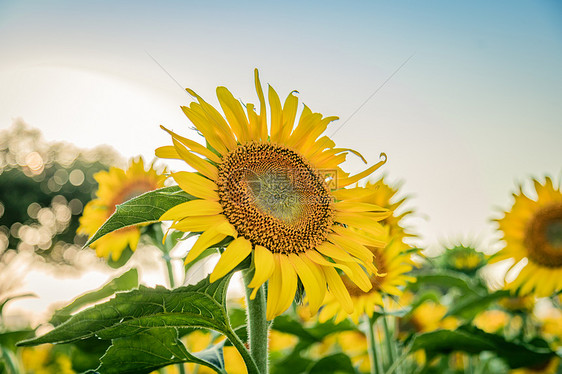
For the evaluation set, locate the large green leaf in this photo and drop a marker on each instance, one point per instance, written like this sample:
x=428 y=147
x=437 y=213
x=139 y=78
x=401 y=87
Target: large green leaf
x=152 y=349
x=127 y=281
x=469 y=306
x=145 y=208
x=129 y=313
x=473 y=340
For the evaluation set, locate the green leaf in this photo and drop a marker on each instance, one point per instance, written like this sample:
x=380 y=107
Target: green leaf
x=447 y=279
x=9 y=339
x=125 y=282
x=129 y=313
x=336 y=363
x=289 y=325
x=145 y=208
x=152 y=349
x=473 y=340
x=469 y=306
x=316 y=333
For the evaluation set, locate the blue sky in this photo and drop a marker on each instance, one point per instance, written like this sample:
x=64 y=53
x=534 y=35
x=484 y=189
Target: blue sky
x=475 y=109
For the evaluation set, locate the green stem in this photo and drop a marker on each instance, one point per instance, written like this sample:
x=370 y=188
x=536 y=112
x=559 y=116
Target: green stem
x=389 y=337
x=248 y=359
x=373 y=355
x=170 y=270
x=258 y=328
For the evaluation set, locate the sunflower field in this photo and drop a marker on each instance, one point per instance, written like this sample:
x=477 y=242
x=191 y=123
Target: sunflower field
x=293 y=264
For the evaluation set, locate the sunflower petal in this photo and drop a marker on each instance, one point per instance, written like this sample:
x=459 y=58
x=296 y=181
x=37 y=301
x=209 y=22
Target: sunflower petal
x=288 y=285
x=194 y=146
x=196 y=185
x=264 y=264
x=199 y=223
x=191 y=208
x=337 y=288
x=234 y=254
x=315 y=289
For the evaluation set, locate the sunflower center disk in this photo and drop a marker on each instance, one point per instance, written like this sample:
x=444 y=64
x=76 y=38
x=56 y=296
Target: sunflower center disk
x=544 y=236
x=274 y=198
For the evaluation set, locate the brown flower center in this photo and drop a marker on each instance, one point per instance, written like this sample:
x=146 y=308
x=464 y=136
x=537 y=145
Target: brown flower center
x=543 y=237
x=274 y=198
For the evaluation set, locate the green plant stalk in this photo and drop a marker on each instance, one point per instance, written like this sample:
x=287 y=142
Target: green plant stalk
x=258 y=328
x=156 y=235
x=251 y=365
x=372 y=344
x=389 y=337
x=168 y=260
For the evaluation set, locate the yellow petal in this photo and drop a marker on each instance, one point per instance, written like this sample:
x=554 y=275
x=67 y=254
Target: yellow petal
x=289 y=114
x=330 y=250
x=315 y=289
x=320 y=260
x=357 y=177
x=263 y=110
x=192 y=208
x=276 y=115
x=274 y=289
x=288 y=285
x=194 y=146
x=205 y=240
x=216 y=121
x=196 y=185
x=263 y=268
x=354 y=206
x=234 y=254
x=167 y=151
x=199 y=223
x=195 y=162
x=354 y=220
x=358 y=276
x=352 y=247
x=337 y=288
x=234 y=114
x=359 y=236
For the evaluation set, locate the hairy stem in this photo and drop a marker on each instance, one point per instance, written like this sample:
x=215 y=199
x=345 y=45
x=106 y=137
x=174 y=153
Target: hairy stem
x=258 y=328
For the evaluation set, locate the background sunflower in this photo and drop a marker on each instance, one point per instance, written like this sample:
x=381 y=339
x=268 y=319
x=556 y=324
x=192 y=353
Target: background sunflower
x=532 y=230
x=115 y=187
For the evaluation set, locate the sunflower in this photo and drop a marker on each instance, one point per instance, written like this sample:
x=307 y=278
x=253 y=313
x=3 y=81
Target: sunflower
x=115 y=187
x=532 y=230
x=392 y=262
x=384 y=195
x=279 y=193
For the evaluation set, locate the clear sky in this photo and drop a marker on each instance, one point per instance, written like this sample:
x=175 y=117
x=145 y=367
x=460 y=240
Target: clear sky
x=477 y=108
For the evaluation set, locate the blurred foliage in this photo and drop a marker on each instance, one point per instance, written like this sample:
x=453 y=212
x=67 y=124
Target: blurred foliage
x=43 y=189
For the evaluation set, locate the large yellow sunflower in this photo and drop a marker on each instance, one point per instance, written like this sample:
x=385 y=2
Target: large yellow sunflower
x=533 y=230
x=278 y=191
x=115 y=187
